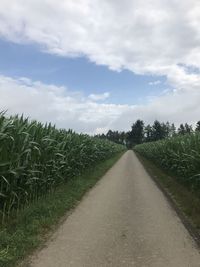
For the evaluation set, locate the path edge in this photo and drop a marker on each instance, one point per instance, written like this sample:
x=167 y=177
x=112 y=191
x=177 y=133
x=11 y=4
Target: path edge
x=194 y=233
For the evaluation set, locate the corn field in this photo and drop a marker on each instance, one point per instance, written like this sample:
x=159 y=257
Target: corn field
x=35 y=158
x=179 y=155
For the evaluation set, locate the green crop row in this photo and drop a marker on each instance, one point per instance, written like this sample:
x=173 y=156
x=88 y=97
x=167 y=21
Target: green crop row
x=35 y=158
x=179 y=155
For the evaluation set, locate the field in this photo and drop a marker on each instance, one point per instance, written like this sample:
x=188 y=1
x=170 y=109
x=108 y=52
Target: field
x=179 y=156
x=36 y=158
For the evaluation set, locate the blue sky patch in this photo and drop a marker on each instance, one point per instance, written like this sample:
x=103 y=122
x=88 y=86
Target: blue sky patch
x=78 y=74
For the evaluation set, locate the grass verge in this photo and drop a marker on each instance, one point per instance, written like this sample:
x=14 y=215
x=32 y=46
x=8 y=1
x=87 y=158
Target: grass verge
x=35 y=223
x=185 y=202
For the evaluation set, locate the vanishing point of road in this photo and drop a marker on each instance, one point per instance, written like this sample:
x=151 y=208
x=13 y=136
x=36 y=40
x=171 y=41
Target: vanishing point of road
x=125 y=220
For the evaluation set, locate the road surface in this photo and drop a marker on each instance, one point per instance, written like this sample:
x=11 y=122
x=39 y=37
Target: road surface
x=125 y=220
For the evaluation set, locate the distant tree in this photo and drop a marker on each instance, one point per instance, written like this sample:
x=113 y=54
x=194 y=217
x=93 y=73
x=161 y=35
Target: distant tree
x=184 y=129
x=148 y=133
x=115 y=136
x=109 y=135
x=172 y=130
x=136 y=135
x=197 y=127
x=123 y=137
x=159 y=131
x=188 y=128
x=166 y=127
x=140 y=133
x=181 y=129
x=169 y=129
x=102 y=136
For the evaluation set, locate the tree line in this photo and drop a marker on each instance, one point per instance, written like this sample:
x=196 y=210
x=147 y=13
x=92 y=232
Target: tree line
x=141 y=133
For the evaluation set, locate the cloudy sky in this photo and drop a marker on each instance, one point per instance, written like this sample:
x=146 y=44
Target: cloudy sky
x=94 y=65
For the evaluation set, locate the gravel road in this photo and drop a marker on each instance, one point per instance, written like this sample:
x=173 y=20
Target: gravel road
x=125 y=220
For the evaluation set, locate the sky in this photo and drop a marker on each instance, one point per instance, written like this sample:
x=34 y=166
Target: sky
x=94 y=65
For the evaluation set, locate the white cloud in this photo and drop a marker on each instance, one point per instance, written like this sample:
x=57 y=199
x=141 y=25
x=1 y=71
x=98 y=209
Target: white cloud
x=154 y=36
x=49 y=103
x=175 y=106
x=97 y=97
x=158 y=37
x=155 y=82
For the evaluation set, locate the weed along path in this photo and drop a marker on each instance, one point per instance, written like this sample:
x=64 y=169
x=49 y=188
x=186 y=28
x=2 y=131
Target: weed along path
x=125 y=220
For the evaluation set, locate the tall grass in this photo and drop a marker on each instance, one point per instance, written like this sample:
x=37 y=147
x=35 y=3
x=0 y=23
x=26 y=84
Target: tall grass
x=179 y=155
x=35 y=158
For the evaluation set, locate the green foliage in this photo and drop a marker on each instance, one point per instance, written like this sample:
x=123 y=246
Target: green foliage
x=114 y=136
x=198 y=126
x=185 y=129
x=136 y=135
x=32 y=225
x=159 y=131
x=179 y=155
x=188 y=201
x=35 y=158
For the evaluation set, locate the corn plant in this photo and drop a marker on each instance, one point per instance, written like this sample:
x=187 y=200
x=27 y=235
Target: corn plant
x=179 y=155
x=36 y=158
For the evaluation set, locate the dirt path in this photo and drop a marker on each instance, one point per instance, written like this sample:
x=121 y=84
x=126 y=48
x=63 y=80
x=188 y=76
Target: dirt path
x=123 y=221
